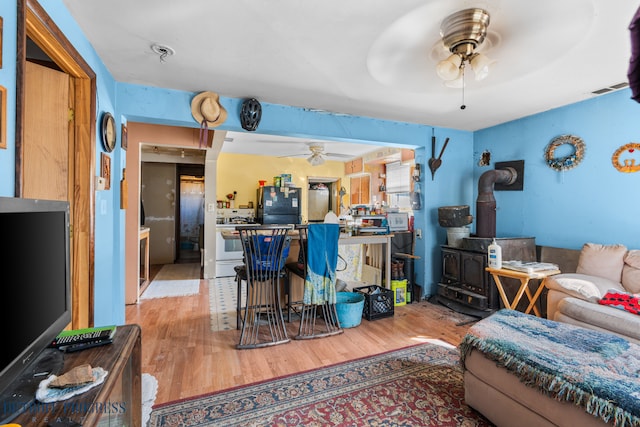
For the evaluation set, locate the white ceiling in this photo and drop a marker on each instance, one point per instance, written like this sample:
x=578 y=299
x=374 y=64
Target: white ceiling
x=372 y=58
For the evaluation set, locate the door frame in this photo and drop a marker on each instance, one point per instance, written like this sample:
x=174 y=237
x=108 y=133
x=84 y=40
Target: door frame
x=33 y=22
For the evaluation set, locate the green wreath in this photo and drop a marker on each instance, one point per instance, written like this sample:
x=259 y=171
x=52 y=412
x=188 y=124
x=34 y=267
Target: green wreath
x=567 y=162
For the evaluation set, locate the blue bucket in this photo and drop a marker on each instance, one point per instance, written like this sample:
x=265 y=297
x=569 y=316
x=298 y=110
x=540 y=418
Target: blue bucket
x=349 y=306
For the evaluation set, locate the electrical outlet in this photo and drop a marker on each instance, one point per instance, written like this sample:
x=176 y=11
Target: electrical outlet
x=101 y=183
x=419 y=233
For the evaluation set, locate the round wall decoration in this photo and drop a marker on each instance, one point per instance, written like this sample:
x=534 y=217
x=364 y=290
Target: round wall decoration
x=108 y=129
x=566 y=162
x=628 y=164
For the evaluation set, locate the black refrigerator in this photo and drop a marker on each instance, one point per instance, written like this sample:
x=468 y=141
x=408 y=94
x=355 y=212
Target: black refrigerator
x=279 y=205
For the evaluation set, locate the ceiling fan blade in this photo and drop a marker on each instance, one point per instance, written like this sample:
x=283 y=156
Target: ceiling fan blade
x=295 y=155
x=343 y=156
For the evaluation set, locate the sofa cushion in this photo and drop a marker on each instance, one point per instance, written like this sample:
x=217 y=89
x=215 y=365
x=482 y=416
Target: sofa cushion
x=631 y=271
x=602 y=261
x=590 y=288
x=599 y=317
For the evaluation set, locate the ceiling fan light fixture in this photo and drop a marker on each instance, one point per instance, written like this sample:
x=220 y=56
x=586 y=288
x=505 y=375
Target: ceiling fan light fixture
x=462 y=33
x=455 y=83
x=315 y=159
x=481 y=65
x=449 y=69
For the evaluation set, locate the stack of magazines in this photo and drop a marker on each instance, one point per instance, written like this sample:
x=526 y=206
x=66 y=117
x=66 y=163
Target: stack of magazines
x=529 y=266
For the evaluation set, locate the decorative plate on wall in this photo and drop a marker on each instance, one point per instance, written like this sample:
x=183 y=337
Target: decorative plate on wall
x=628 y=153
x=566 y=162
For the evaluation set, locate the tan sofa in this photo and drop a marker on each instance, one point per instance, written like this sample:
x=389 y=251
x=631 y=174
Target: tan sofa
x=573 y=296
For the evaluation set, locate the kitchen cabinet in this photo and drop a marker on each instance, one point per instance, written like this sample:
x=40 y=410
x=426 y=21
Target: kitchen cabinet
x=360 y=190
x=407 y=155
x=353 y=166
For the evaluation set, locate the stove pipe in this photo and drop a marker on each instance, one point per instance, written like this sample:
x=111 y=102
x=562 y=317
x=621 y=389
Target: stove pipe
x=486 y=203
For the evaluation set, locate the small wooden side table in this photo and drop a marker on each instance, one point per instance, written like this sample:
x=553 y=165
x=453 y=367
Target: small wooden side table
x=524 y=286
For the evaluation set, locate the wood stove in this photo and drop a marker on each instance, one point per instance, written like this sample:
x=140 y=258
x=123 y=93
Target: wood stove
x=466 y=286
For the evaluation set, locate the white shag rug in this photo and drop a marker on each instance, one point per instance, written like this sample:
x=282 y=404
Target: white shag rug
x=149 y=392
x=174 y=280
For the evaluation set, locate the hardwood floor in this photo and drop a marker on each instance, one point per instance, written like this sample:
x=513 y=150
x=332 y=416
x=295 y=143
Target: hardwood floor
x=187 y=359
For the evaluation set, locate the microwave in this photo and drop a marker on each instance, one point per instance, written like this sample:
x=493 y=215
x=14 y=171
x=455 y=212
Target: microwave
x=398 y=221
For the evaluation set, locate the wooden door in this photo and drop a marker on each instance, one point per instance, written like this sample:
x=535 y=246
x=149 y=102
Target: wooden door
x=47 y=157
x=58 y=54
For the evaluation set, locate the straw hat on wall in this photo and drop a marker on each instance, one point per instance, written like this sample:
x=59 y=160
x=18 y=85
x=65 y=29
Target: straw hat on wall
x=206 y=107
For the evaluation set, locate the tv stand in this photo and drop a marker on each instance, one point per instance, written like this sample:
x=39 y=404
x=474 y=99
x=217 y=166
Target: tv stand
x=117 y=401
x=21 y=395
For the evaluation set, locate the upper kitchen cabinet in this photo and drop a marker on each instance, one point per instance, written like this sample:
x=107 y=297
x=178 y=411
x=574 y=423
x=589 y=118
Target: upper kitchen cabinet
x=407 y=155
x=353 y=166
x=360 y=190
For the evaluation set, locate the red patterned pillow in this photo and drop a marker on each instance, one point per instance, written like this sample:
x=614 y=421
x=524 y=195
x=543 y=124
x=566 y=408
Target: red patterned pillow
x=621 y=300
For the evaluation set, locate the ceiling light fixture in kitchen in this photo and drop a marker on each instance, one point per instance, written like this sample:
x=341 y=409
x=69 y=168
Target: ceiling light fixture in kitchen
x=315 y=159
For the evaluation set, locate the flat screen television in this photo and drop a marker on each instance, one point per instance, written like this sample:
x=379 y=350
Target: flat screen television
x=35 y=301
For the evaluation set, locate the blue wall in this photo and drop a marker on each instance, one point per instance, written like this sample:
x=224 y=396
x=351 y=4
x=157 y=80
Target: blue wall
x=8 y=80
x=593 y=202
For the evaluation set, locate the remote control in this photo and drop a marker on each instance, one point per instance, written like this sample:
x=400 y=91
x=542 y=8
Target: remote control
x=82 y=346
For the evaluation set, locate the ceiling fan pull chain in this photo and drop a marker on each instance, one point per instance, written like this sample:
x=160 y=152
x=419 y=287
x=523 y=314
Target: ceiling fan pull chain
x=462 y=107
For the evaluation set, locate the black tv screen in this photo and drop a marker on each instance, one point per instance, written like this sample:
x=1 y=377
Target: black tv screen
x=35 y=270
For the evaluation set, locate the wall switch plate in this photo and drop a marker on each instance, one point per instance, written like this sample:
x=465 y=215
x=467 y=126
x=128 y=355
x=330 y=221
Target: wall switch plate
x=419 y=233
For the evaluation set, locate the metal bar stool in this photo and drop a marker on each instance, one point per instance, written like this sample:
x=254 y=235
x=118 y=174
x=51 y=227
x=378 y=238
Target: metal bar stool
x=297 y=268
x=265 y=251
x=310 y=325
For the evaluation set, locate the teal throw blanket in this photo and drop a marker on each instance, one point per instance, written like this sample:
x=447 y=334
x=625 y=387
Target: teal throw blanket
x=322 y=257
x=595 y=370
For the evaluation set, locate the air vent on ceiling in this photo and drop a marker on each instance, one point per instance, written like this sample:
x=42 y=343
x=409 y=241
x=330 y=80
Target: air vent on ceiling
x=610 y=88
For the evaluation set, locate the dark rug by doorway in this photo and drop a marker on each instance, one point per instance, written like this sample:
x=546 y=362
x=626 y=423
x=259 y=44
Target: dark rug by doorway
x=418 y=385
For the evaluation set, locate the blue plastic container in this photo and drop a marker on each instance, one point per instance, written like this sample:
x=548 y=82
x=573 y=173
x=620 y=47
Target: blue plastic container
x=349 y=306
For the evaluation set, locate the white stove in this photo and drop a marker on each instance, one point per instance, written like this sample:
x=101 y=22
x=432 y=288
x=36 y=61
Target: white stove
x=229 y=252
x=235 y=216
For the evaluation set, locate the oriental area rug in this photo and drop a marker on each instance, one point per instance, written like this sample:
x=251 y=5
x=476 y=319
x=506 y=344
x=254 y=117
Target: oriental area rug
x=420 y=385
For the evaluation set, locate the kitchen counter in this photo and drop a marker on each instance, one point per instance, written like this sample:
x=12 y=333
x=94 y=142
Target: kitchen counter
x=362 y=239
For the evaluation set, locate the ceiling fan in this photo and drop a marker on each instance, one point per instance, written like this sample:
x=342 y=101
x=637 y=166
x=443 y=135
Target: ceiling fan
x=317 y=155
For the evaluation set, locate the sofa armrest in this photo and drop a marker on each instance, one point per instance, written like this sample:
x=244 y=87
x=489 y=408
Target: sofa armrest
x=581 y=286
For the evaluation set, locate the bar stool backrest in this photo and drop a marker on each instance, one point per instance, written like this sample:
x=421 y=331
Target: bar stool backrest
x=265 y=250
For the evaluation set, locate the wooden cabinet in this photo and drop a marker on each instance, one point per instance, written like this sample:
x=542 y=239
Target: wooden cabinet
x=407 y=155
x=353 y=166
x=360 y=193
x=115 y=402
